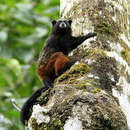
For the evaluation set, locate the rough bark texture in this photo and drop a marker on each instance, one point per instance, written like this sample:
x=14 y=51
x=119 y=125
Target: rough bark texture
x=95 y=93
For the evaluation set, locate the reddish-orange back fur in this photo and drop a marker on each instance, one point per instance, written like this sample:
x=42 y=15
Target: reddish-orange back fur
x=54 y=65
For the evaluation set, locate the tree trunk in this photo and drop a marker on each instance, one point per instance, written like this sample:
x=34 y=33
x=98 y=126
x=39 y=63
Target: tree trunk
x=95 y=93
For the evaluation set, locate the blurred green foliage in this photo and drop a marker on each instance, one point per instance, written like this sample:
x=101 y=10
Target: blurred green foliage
x=24 y=26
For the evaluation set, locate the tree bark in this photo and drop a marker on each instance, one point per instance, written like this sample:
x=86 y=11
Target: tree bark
x=95 y=93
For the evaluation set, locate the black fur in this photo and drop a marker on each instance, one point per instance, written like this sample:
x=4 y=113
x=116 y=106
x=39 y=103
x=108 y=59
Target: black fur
x=25 y=111
x=60 y=40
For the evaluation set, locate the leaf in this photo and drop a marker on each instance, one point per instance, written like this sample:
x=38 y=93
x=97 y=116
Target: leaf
x=3 y=36
x=3 y=7
x=10 y=71
x=14 y=65
x=24 y=13
x=4 y=120
x=34 y=37
x=24 y=7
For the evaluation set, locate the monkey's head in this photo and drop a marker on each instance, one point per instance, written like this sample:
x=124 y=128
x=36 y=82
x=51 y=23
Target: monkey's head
x=61 y=26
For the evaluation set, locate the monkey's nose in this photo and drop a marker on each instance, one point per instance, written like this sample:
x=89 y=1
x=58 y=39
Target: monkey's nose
x=62 y=25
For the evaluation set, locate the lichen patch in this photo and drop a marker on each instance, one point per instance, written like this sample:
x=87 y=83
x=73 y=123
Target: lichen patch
x=38 y=114
x=73 y=124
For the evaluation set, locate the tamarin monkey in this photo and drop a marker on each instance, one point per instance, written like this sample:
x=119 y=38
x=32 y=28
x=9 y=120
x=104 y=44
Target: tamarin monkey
x=52 y=60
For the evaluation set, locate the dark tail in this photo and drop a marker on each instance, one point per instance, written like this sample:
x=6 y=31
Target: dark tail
x=89 y=35
x=25 y=110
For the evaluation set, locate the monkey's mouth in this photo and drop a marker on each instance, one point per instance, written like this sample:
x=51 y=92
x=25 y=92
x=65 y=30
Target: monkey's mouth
x=62 y=25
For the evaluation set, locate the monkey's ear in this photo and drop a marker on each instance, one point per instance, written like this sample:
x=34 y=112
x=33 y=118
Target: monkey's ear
x=70 y=21
x=53 y=22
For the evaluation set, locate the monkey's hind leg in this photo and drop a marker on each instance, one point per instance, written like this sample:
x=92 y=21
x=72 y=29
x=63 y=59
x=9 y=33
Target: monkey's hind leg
x=62 y=64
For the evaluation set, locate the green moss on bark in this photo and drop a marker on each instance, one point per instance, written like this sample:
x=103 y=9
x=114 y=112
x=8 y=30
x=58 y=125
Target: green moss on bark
x=105 y=29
